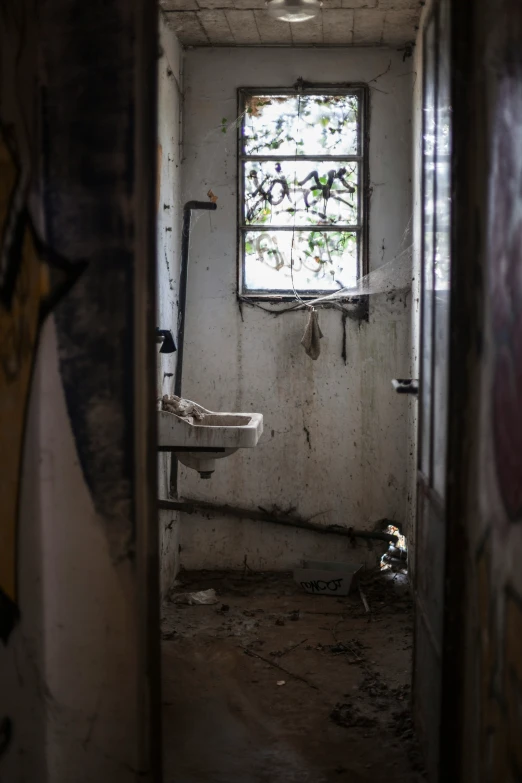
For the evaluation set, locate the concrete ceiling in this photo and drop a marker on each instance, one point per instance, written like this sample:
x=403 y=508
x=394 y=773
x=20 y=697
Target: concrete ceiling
x=340 y=22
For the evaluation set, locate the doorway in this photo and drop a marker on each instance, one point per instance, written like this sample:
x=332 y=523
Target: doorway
x=263 y=679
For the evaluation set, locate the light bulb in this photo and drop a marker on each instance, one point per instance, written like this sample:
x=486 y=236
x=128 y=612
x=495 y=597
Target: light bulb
x=293 y=10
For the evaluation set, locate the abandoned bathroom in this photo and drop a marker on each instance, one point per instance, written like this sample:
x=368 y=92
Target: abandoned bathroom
x=260 y=396
x=336 y=449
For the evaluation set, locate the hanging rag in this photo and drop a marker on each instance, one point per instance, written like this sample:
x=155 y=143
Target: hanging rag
x=312 y=335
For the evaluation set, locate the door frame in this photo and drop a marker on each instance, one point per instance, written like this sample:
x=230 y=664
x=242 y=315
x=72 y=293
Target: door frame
x=464 y=358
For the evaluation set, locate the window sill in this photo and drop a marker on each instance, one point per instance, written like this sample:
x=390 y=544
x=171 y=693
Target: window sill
x=276 y=298
x=354 y=307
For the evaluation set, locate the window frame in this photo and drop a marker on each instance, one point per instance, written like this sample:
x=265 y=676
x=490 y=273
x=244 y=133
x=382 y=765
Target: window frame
x=349 y=88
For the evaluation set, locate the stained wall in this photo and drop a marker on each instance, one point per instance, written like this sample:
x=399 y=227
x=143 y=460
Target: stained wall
x=168 y=205
x=335 y=446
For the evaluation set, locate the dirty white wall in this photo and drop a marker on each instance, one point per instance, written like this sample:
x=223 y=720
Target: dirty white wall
x=413 y=402
x=76 y=635
x=73 y=660
x=335 y=444
x=168 y=263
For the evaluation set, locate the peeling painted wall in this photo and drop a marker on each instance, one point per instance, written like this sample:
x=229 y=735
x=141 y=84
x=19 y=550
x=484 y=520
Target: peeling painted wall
x=335 y=445
x=413 y=403
x=168 y=262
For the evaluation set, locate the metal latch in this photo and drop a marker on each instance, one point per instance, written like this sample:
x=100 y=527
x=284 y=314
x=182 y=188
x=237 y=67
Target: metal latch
x=165 y=338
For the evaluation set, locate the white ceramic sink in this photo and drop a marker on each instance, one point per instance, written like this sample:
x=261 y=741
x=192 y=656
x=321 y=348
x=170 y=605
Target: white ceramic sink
x=201 y=438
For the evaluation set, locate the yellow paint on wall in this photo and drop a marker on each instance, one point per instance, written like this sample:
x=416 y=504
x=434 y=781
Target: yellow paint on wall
x=18 y=335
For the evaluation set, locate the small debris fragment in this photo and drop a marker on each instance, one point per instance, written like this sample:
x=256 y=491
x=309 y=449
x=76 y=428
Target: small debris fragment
x=281 y=668
x=212 y=197
x=352 y=649
x=402 y=724
x=281 y=682
x=280 y=653
x=200 y=598
x=349 y=716
x=364 y=600
x=374 y=686
x=255 y=643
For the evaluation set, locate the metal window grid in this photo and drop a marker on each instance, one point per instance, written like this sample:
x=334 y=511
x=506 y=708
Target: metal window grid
x=360 y=229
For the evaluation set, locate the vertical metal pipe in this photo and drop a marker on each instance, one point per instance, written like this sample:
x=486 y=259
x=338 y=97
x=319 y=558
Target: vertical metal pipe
x=185 y=240
x=182 y=303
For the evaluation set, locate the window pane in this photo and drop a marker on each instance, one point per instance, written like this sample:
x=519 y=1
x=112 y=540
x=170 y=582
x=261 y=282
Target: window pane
x=320 y=260
x=301 y=192
x=301 y=125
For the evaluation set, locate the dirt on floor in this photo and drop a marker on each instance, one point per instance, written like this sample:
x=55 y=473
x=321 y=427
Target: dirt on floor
x=273 y=684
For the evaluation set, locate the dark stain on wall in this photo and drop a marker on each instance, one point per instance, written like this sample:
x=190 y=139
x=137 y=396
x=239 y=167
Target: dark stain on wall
x=88 y=138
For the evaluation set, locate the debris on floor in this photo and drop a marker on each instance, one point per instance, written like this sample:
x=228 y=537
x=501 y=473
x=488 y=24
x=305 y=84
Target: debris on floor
x=402 y=724
x=397 y=555
x=350 y=716
x=287 y=686
x=364 y=600
x=199 y=598
x=352 y=649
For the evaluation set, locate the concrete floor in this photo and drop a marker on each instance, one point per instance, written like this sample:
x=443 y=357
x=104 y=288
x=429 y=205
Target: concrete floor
x=340 y=711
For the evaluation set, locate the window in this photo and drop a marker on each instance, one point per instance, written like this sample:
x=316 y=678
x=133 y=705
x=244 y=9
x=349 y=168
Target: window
x=302 y=170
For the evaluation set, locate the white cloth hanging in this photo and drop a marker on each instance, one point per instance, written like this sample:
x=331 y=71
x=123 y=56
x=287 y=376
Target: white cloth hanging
x=312 y=335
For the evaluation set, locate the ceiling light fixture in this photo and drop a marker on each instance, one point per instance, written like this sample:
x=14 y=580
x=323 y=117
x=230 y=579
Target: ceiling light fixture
x=293 y=10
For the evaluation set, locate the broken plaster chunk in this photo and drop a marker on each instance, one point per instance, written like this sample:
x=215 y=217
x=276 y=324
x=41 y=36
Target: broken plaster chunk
x=199 y=598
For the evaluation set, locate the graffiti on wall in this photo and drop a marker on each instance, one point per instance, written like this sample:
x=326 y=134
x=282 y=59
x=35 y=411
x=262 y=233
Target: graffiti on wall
x=67 y=193
x=27 y=295
x=67 y=163
x=21 y=288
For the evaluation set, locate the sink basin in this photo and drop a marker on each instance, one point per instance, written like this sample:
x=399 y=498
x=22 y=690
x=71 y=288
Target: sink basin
x=203 y=436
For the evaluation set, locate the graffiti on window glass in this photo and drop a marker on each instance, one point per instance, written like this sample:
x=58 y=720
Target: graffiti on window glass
x=301 y=169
